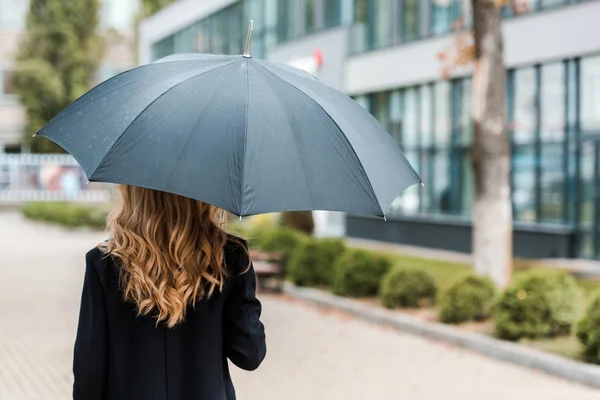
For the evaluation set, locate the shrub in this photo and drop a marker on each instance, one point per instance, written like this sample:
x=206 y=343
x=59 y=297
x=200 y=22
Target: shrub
x=468 y=300
x=538 y=306
x=314 y=262
x=405 y=287
x=359 y=272
x=282 y=240
x=300 y=220
x=588 y=331
x=66 y=214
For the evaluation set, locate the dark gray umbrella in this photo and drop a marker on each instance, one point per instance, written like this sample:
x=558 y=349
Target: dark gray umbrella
x=246 y=135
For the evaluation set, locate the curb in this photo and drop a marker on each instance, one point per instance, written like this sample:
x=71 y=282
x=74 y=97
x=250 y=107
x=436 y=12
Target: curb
x=585 y=374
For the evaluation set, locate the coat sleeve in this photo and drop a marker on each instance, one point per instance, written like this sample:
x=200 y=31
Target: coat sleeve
x=245 y=343
x=91 y=344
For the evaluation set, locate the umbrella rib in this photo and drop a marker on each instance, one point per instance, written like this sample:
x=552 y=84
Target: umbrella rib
x=150 y=105
x=242 y=189
x=371 y=191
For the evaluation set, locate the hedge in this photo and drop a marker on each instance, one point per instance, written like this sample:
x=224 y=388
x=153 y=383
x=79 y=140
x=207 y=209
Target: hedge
x=359 y=272
x=468 y=300
x=66 y=214
x=410 y=288
x=313 y=263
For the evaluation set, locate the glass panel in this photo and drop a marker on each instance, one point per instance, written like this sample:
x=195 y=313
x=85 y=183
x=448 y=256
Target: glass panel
x=284 y=22
x=441 y=182
x=523 y=194
x=426 y=116
x=588 y=187
x=332 y=13
x=410 y=20
x=396 y=123
x=553 y=3
x=467 y=195
x=426 y=174
x=442 y=114
x=590 y=94
x=524 y=106
x=309 y=16
x=380 y=107
x=360 y=31
x=410 y=129
x=552 y=103
x=382 y=24
x=364 y=102
x=13 y=13
x=441 y=16
x=466 y=122
x=202 y=37
x=552 y=183
x=408 y=202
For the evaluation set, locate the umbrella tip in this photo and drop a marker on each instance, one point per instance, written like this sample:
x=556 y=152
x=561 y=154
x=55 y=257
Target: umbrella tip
x=384 y=218
x=34 y=135
x=422 y=184
x=240 y=217
x=249 y=40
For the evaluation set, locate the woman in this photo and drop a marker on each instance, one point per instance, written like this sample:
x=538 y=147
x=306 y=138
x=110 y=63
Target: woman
x=166 y=301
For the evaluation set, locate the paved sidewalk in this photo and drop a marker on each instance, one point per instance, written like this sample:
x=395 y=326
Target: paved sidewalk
x=312 y=354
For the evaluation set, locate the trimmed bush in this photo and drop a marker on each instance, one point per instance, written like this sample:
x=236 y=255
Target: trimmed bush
x=468 y=300
x=282 y=240
x=313 y=264
x=588 y=332
x=299 y=220
x=409 y=288
x=66 y=214
x=539 y=306
x=359 y=272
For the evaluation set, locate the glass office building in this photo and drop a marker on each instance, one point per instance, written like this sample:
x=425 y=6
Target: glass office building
x=383 y=54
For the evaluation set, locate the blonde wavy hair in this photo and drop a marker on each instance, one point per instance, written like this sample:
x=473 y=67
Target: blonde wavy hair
x=169 y=249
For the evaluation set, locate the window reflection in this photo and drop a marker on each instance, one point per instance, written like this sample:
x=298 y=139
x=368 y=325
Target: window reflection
x=410 y=128
x=552 y=184
x=590 y=94
x=523 y=194
x=524 y=106
x=552 y=102
x=409 y=26
x=442 y=114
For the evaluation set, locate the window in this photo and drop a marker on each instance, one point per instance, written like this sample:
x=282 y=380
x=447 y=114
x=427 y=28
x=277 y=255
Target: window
x=552 y=135
x=332 y=13
x=380 y=108
x=426 y=117
x=467 y=187
x=382 y=24
x=284 y=20
x=441 y=16
x=524 y=106
x=442 y=114
x=118 y=14
x=310 y=20
x=590 y=94
x=396 y=116
x=466 y=120
x=442 y=190
x=523 y=193
x=410 y=128
x=409 y=20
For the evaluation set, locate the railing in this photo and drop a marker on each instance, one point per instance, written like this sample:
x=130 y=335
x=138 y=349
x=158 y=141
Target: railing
x=46 y=177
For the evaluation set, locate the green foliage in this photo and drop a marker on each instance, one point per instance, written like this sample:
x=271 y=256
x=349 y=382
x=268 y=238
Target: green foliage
x=151 y=7
x=543 y=305
x=469 y=300
x=66 y=214
x=300 y=220
x=588 y=332
x=56 y=61
x=282 y=240
x=359 y=272
x=405 y=287
x=313 y=264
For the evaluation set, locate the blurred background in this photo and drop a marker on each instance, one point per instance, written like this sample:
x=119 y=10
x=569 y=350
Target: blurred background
x=410 y=63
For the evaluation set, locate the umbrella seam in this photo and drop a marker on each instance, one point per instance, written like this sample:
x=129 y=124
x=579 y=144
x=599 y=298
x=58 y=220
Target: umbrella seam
x=245 y=141
x=371 y=192
x=147 y=107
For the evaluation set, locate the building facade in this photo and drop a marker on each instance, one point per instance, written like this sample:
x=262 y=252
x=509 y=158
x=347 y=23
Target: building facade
x=385 y=54
x=117 y=22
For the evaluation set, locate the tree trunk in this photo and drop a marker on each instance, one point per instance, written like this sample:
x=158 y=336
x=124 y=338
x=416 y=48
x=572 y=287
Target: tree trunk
x=492 y=214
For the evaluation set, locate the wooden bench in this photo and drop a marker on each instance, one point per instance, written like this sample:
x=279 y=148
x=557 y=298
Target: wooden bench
x=269 y=266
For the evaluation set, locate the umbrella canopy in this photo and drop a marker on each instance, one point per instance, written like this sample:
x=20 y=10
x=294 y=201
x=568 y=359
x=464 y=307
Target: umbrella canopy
x=243 y=134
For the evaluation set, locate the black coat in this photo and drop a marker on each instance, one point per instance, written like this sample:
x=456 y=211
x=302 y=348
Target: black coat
x=120 y=356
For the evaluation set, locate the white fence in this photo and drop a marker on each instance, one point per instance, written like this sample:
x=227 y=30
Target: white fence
x=46 y=177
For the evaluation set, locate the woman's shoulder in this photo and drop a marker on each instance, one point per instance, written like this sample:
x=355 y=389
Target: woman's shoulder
x=236 y=253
